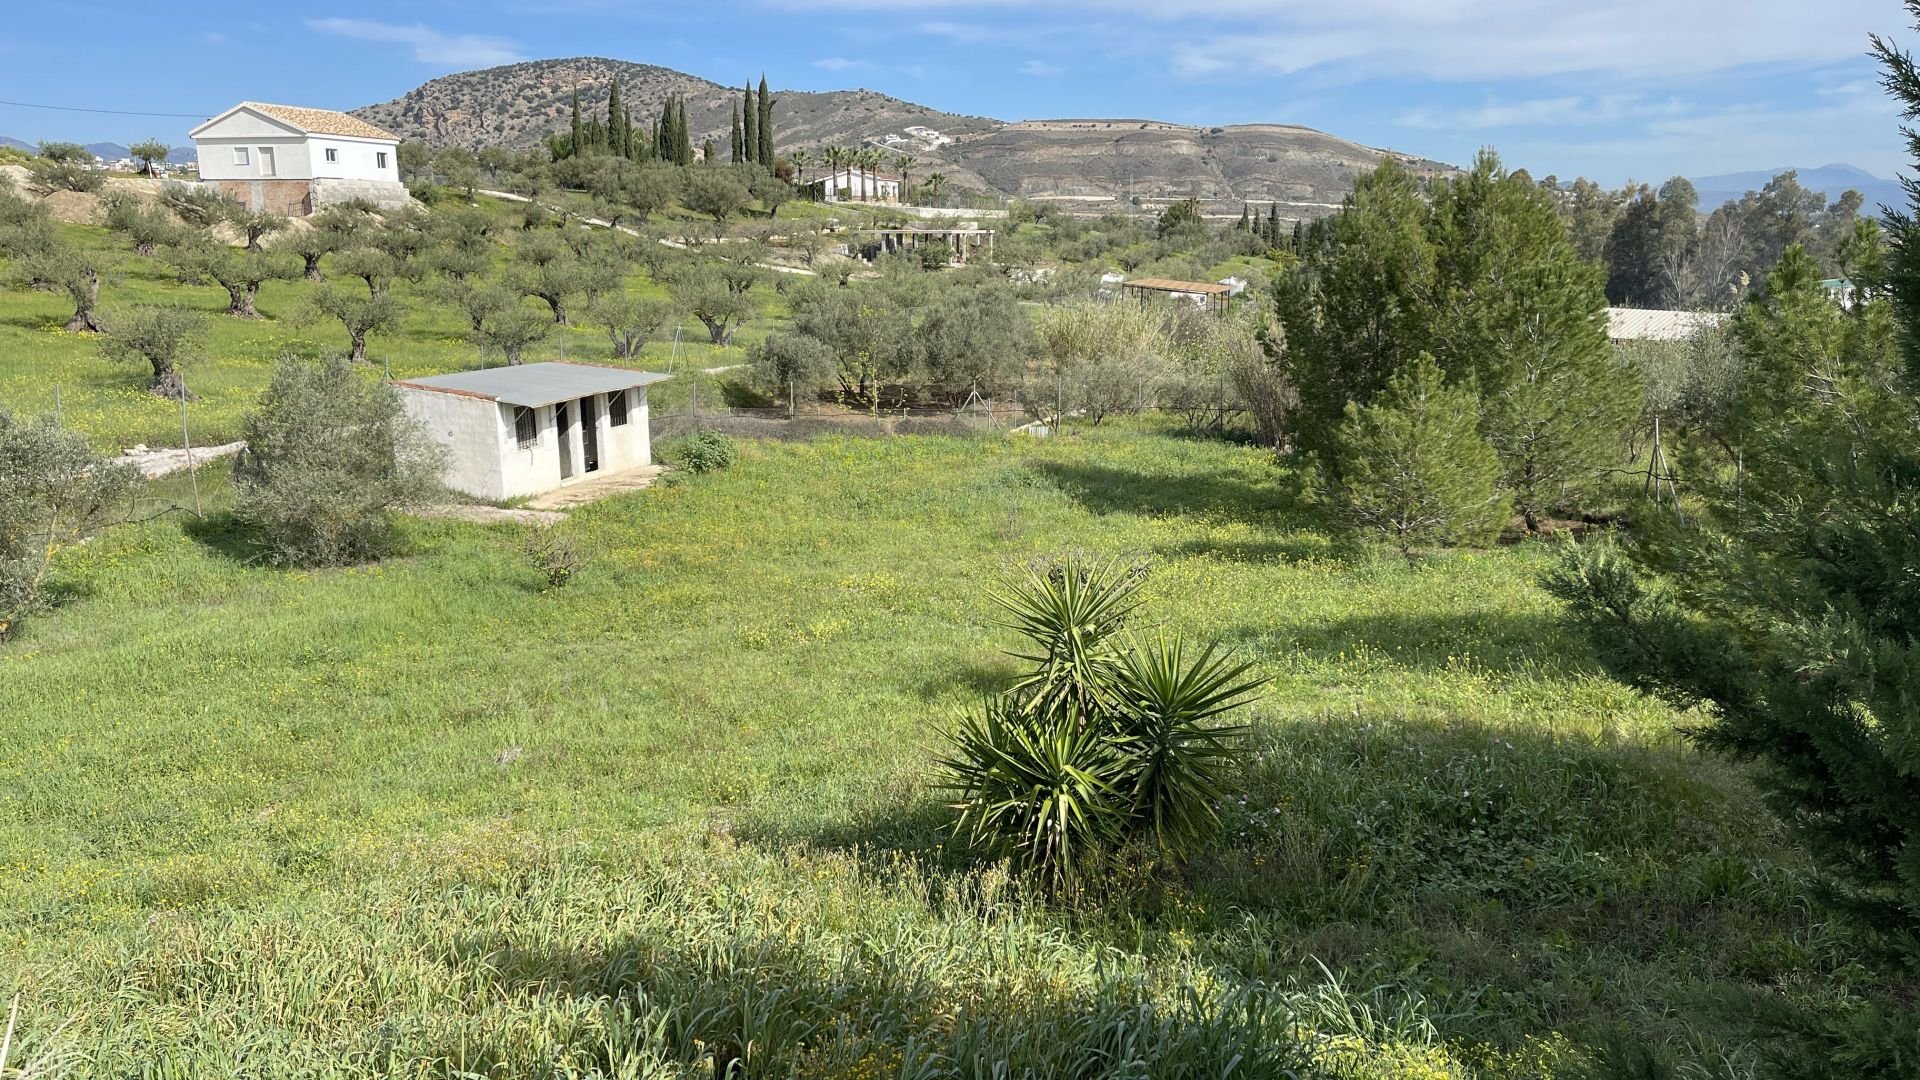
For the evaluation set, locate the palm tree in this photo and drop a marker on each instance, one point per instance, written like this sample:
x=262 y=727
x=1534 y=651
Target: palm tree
x=935 y=183
x=801 y=159
x=870 y=159
x=904 y=164
x=837 y=158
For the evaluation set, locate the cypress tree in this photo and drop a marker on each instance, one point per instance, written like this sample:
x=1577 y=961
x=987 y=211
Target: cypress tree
x=614 y=142
x=1273 y=225
x=1246 y=218
x=707 y=156
x=766 y=125
x=574 y=145
x=663 y=131
x=736 y=135
x=750 y=132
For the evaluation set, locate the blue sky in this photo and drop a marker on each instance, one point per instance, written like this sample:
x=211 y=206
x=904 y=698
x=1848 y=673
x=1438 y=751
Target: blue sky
x=1638 y=89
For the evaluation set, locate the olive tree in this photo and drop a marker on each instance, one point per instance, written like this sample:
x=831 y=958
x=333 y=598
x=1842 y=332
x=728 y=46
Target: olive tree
x=161 y=337
x=509 y=327
x=359 y=315
x=54 y=493
x=241 y=273
x=331 y=456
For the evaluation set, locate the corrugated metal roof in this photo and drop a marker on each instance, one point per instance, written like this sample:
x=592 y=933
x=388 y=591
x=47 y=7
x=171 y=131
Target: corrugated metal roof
x=536 y=384
x=1649 y=324
x=1170 y=285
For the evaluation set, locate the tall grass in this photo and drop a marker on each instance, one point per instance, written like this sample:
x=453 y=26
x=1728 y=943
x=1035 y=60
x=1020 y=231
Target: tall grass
x=433 y=817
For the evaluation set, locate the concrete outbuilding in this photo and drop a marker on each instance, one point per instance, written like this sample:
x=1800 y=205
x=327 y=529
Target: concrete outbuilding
x=513 y=432
x=294 y=160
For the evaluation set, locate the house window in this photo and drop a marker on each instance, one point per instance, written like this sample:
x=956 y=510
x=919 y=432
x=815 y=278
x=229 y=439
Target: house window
x=617 y=408
x=526 y=427
x=332 y=155
x=380 y=158
x=240 y=156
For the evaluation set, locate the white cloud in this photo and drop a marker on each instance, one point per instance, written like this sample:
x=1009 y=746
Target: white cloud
x=1567 y=111
x=429 y=46
x=838 y=63
x=1041 y=69
x=1452 y=40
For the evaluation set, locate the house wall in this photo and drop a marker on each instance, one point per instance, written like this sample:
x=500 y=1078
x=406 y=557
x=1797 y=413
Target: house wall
x=297 y=155
x=292 y=198
x=290 y=160
x=484 y=456
x=468 y=429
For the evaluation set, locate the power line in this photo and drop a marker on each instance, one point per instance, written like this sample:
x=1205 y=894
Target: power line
x=113 y=112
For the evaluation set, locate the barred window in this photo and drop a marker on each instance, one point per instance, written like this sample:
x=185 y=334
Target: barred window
x=617 y=408
x=526 y=427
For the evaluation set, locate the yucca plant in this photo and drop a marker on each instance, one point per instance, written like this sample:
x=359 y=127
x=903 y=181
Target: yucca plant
x=1039 y=788
x=1102 y=740
x=1071 y=613
x=1164 y=717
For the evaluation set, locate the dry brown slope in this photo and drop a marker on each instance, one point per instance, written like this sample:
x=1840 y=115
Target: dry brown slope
x=1092 y=161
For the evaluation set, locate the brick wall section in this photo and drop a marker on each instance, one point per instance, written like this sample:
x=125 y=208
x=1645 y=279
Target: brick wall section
x=293 y=198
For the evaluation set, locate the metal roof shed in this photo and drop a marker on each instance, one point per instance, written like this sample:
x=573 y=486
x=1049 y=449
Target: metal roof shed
x=534 y=385
x=523 y=430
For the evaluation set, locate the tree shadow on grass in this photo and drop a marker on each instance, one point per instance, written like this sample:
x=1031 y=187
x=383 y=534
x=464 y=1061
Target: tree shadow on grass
x=1103 y=489
x=1506 y=642
x=225 y=535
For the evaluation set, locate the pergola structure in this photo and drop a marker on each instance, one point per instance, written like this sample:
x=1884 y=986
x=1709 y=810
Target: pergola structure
x=964 y=242
x=1213 y=295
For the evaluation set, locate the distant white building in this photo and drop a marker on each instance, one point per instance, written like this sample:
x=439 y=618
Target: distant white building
x=1653 y=324
x=295 y=161
x=515 y=431
x=856 y=185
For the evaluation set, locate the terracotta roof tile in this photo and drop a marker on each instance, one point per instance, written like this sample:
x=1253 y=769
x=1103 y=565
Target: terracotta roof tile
x=322 y=121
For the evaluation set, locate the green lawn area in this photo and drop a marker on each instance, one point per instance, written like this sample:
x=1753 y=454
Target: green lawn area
x=426 y=819
x=42 y=366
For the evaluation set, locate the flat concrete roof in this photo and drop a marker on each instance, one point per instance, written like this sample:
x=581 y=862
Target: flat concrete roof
x=533 y=385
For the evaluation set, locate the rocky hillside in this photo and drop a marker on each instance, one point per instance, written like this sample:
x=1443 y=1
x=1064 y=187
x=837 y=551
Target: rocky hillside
x=520 y=104
x=1088 y=164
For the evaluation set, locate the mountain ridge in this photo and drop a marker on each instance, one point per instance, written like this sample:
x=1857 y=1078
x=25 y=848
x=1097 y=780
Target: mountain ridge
x=1092 y=163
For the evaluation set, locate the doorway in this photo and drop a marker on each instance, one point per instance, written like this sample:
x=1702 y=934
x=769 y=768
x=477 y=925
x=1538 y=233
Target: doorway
x=266 y=161
x=590 y=433
x=562 y=423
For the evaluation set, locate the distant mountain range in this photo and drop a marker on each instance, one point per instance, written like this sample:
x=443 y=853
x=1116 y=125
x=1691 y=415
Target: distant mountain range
x=107 y=151
x=1830 y=180
x=1088 y=164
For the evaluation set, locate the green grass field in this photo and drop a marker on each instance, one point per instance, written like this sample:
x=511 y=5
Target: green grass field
x=426 y=818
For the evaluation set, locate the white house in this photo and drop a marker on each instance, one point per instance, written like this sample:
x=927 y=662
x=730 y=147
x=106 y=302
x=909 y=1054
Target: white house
x=521 y=430
x=856 y=185
x=1651 y=324
x=294 y=161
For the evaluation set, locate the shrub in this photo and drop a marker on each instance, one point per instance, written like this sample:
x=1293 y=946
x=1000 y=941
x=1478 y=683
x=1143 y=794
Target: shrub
x=330 y=455
x=704 y=451
x=1412 y=467
x=553 y=553
x=63 y=167
x=53 y=494
x=1100 y=742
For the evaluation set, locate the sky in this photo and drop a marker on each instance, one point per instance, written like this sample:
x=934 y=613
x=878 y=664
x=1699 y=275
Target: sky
x=1628 y=89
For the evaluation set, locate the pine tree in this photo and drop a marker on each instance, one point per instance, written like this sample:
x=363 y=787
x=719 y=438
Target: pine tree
x=1356 y=307
x=1523 y=317
x=1412 y=466
x=736 y=136
x=1785 y=609
x=765 y=155
x=750 y=131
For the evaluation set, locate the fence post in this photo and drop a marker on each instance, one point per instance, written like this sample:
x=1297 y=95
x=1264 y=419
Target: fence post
x=58 y=420
x=186 y=444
